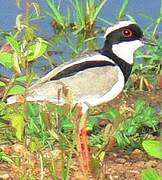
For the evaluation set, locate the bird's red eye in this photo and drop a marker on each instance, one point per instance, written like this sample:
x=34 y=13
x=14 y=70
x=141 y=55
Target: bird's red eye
x=127 y=33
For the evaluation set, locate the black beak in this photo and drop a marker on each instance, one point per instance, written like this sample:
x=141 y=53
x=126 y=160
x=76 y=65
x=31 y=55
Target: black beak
x=148 y=42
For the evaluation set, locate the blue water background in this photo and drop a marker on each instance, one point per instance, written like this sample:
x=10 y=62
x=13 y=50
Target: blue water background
x=136 y=8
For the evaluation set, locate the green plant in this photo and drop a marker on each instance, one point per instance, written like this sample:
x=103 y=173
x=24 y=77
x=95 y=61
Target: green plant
x=4 y=157
x=21 y=48
x=143 y=120
x=59 y=20
x=153 y=148
x=150 y=174
x=151 y=57
x=83 y=16
x=123 y=9
x=12 y=119
x=86 y=17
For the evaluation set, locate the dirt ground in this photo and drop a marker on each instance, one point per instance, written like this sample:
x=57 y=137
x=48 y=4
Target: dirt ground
x=116 y=166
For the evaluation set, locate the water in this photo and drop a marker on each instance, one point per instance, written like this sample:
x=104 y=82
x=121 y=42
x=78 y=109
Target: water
x=9 y=11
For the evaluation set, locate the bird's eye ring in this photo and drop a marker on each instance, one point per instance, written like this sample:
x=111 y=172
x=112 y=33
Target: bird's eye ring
x=127 y=33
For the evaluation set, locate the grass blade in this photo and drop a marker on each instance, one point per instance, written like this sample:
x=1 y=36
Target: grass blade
x=97 y=10
x=158 y=21
x=56 y=15
x=123 y=9
x=80 y=12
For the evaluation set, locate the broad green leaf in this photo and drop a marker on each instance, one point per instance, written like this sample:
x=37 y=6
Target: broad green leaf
x=37 y=50
x=153 y=148
x=19 y=124
x=17 y=89
x=21 y=78
x=6 y=59
x=2 y=84
x=150 y=174
x=29 y=79
x=14 y=43
x=67 y=124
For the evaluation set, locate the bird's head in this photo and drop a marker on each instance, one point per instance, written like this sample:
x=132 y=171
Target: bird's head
x=123 y=39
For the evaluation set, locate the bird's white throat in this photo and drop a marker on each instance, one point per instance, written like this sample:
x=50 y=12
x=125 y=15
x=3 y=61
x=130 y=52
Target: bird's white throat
x=125 y=50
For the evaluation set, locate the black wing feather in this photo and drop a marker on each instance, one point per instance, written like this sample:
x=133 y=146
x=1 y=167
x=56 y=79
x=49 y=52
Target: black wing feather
x=76 y=68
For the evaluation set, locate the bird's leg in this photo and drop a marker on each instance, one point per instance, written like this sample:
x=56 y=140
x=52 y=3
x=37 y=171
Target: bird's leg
x=82 y=139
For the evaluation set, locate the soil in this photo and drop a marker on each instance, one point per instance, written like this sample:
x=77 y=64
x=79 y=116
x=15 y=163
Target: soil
x=116 y=166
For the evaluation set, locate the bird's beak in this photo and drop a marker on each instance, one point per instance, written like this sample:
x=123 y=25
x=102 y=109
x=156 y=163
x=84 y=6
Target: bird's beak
x=148 y=41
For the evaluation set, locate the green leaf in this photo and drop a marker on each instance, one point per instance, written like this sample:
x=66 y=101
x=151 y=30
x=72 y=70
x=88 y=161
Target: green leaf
x=33 y=109
x=19 y=124
x=5 y=157
x=55 y=13
x=123 y=9
x=15 y=60
x=112 y=113
x=92 y=121
x=150 y=174
x=6 y=59
x=80 y=12
x=97 y=10
x=17 y=89
x=22 y=78
x=37 y=50
x=67 y=124
x=2 y=83
x=29 y=34
x=153 y=148
x=139 y=105
x=35 y=144
x=19 y=21
x=14 y=43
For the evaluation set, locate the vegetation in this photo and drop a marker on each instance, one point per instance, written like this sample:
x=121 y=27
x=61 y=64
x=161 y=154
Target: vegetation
x=48 y=129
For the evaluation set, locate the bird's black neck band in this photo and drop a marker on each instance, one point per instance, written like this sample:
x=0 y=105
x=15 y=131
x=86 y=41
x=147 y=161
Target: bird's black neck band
x=124 y=66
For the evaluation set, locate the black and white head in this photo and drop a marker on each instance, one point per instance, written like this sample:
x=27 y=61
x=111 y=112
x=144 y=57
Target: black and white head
x=123 y=39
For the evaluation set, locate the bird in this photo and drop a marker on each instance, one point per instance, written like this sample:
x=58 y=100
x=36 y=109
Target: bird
x=93 y=78
x=96 y=77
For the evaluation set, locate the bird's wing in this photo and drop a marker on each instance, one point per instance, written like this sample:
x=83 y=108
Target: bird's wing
x=71 y=67
x=92 y=85
x=93 y=79
x=47 y=87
